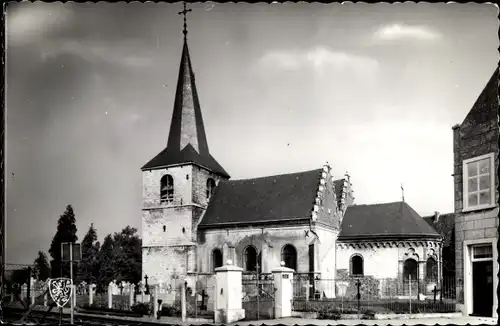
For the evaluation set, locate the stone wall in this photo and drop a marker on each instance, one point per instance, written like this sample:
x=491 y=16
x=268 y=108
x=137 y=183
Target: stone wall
x=392 y=254
x=167 y=265
x=372 y=260
x=270 y=241
x=473 y=226
x=169 y=230
x=151 y=181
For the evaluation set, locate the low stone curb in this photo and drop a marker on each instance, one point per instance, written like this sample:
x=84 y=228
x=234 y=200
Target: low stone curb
x=418 y=316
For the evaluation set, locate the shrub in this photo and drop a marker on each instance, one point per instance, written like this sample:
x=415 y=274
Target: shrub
x=172 y=310
x=333 y=315
x=141 y=308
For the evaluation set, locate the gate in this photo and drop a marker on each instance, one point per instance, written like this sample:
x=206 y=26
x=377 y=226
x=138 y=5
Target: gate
x=200 y=298
x=258 y=296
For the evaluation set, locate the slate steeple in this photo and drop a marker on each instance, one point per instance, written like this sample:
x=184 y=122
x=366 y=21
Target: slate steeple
x=187 y=141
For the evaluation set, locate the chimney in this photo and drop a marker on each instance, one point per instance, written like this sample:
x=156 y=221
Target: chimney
x=436 y=217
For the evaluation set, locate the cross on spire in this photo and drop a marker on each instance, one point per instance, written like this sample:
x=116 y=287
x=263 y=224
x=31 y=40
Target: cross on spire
x=184 y=13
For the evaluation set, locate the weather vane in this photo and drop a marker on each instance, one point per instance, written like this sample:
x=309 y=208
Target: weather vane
x=184 y=12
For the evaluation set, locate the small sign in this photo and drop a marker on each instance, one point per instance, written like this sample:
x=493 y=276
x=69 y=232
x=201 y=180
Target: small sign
x=77 y=251
x=60 y=290
x=286 y=276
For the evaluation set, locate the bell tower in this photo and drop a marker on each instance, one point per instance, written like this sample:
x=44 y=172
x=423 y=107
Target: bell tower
x=177 y=185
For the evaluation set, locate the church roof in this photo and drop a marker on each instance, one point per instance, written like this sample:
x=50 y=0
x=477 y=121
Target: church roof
x=276 y=198
x=187 y=141
x=384 y=221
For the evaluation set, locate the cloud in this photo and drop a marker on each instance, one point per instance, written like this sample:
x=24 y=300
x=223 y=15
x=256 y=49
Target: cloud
x=401 y=31
x=318 y=58
x=27 y=23
x=95 y=50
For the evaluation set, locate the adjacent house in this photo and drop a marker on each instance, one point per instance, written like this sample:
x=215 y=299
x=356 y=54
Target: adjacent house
x=475 y=147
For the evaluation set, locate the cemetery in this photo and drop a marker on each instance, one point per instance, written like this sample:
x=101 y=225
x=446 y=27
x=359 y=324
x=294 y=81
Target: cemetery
x=217 y=298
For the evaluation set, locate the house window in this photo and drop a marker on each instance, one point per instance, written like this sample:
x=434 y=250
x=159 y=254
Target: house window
x=217 y=258
x=478 y=178
x=250 y=259
x=482 y=252
x=289 y=256
x=167 y=189
x=210 y=187
x=357 y=265
x=431 y=270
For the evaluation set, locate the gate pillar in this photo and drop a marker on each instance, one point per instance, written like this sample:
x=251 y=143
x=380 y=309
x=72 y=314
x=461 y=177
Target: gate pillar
x=228 y=294
x=283 y=278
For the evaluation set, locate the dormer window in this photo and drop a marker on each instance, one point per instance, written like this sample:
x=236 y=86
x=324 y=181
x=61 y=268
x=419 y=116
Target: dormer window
x=167 y=189
x=210 y=187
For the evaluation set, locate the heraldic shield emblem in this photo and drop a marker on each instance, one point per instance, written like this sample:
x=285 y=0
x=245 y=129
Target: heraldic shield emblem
x=60 y=290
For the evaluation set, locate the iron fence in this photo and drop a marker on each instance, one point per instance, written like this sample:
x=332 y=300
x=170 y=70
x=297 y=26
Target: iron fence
x=201 y=295
x=258 y=295
x=380 y=295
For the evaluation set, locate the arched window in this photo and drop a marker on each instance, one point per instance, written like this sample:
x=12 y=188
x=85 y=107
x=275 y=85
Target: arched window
x=217 y=258
x=250 y=259
x=410 y=269
x=289 y=256
x=431 y=270
x=357 y=265
x=167 y=189
x=210 y=187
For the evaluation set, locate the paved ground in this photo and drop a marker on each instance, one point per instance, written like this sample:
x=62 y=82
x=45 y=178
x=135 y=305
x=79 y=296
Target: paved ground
x=422 y=321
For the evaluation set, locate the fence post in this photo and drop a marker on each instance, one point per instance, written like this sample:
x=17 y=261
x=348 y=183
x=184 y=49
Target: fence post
x=28 y=294
x=156 y=292
x=409 y=279
x=110 y=296
x=283 y=278
x=91 y=294
x=131 y=295
x=183 y=300
x=358 y=296
x=229 y=294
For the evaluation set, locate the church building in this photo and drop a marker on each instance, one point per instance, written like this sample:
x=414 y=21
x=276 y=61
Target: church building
x=195 y=218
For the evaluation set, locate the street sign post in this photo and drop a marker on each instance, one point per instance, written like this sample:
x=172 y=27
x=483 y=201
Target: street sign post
x=71 y=252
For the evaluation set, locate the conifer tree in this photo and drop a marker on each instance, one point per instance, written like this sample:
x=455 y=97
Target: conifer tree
x=41 y=269
x=88 y=267
x=66 y=232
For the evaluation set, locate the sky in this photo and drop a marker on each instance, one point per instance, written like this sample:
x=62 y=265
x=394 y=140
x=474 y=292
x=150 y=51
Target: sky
x=371 y=89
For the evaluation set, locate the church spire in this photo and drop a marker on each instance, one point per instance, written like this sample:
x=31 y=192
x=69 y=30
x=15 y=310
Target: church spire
x=187 y=141
x=187 y=122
